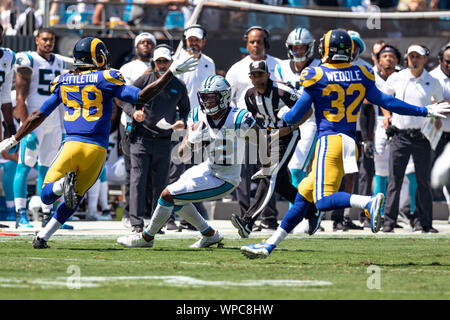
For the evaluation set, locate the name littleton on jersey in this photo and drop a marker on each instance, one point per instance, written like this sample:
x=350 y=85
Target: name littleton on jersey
x=81 y=79
x=347 y=75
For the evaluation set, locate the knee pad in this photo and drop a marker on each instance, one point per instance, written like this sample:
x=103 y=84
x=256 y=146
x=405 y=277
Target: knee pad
x=29 y=150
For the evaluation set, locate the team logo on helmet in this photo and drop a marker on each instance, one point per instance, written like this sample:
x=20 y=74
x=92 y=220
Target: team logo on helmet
x=336 y=45
x=90 y=52
x=214 y=94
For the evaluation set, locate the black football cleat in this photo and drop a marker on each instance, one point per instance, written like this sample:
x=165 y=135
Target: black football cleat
x=70 y=197
x=39 y=243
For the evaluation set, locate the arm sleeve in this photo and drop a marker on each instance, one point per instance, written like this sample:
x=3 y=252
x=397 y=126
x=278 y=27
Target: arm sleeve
x=129 y=109
x=127 y=93
x=50 y=104
x=392 y=104
x=367 y=122
x=300 y=108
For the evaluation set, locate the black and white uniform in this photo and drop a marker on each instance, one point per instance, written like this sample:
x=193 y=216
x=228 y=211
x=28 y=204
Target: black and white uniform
x=219 y=174
x=265 y=108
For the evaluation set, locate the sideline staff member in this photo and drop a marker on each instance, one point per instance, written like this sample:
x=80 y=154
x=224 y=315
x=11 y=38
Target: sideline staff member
x=415 y=86
x=150 y=146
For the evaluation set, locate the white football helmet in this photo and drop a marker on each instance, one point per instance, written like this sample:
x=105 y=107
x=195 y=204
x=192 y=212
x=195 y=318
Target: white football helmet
x=214 y=94
x=300 y=36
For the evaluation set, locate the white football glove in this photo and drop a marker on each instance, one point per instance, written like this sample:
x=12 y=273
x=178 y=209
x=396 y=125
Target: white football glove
x=283 y=111
x=438 y=109
x=197 y=136
x=180 y=66
x=7 y=144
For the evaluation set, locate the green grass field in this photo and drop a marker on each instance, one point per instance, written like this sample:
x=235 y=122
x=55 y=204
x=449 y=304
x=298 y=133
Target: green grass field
x=319 y=267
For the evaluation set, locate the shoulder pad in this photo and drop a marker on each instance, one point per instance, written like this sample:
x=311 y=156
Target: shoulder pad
x=368 y=72
x=114 y=76
x=24 y=60
x=310 y=76
x=54 y=84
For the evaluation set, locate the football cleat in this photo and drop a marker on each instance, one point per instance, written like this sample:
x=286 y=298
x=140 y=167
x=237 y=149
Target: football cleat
x=70 y=196
x=260 y=250
x=373 y=211
x=135 y=240
x=314 y=222
x=206 y=241
x=22 y=220
x=244 y=228
x=39 y=243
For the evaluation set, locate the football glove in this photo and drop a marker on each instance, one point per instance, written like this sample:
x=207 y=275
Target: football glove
x=180 y=66
x=7 y=144
x=196 y=136
x=438 y=109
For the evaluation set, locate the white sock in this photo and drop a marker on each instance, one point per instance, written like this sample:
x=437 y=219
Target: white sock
x=20 y=203
x=190 y=213
x=347 y=212
x=103 y=197
x=357 y=201
x=58 y=187
x=51 y=227
x=279 y=235
x=159 y=218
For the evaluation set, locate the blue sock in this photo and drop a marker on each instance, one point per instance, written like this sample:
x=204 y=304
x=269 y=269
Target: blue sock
x=380 y=187
x=62 y=213
x=295 y=214
x=8 y=179
x=42 y=171
x=20 y=181
x=412 y=190
x=47 y=195
x=338 y=200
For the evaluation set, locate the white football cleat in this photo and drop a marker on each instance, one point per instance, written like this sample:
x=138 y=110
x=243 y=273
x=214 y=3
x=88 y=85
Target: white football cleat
x=134 y=240
x=205 y=241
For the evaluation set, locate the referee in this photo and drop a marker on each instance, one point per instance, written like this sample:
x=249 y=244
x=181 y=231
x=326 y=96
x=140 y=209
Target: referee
x=265 y=100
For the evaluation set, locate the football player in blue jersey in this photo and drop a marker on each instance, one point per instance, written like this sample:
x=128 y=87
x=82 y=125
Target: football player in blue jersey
x=87 y=94
x=337 y=90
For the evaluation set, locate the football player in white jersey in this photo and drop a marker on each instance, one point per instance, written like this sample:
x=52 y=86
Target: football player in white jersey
x=7 y=60
x=300 y=49
x=225 y=127
x=35 y=70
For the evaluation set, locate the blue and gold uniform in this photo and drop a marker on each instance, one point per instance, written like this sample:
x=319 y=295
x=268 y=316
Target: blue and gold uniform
x=88 y=103
x=337 y=91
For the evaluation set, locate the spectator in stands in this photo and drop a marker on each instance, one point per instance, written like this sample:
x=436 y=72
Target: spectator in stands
x=152 y=13
x=111 y=14
x=8 y=16
x=413 y=85
x=30 y=19
x=412 y=5
x=326 y=3
x=440 y=4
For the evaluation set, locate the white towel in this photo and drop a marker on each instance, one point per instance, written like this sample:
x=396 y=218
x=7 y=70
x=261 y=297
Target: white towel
x=349 y=154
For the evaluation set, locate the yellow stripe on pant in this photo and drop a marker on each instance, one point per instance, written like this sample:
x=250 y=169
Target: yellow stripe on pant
x=327 y=170
x=86 y=159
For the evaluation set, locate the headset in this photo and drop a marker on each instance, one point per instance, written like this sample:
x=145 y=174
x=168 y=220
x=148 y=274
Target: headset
x=196 y=26
x=162 y=45
x=443 y=49
x=266 y=35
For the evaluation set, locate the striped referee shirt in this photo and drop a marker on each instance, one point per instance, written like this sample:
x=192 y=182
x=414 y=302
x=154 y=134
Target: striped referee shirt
x=266 y=106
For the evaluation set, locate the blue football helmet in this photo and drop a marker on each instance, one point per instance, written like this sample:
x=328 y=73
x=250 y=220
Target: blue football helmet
x=336 y=45
x=90 y=52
